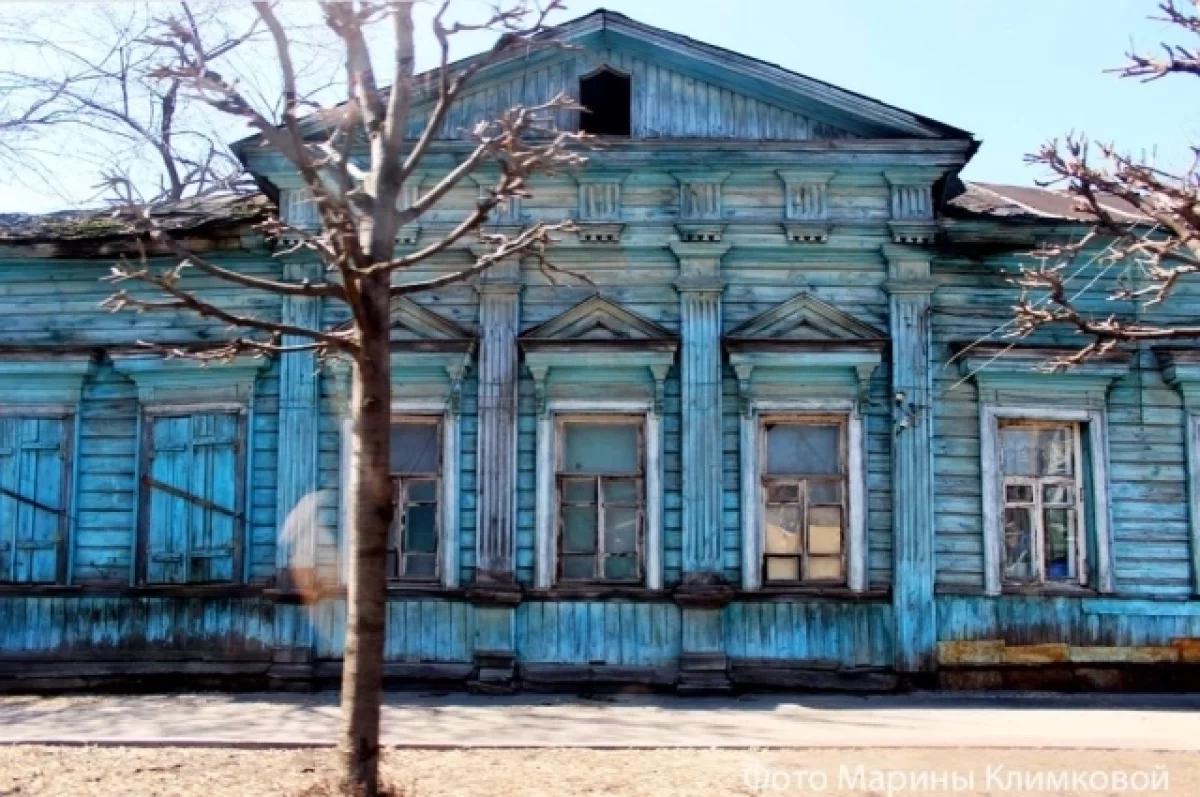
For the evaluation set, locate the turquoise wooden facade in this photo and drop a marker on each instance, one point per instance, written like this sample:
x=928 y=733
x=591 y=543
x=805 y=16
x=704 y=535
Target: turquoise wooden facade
x=760 y=246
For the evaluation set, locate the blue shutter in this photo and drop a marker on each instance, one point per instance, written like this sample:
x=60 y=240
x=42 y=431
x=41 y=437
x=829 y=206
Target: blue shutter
x=194 y=522
x=32 y=497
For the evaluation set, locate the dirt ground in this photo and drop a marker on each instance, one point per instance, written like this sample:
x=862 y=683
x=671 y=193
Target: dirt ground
x=166 y=772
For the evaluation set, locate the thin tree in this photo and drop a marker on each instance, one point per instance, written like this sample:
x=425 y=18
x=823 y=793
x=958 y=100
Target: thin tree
x=1145 y=221
x=354 y=160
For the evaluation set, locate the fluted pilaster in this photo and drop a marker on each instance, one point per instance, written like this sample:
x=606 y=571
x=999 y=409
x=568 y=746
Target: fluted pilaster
x=700 y=286
x=909 y=289
x=499 y=318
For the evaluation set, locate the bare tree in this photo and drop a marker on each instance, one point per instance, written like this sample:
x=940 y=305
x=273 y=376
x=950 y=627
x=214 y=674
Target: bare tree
x=1144 y=219
x=354 y=160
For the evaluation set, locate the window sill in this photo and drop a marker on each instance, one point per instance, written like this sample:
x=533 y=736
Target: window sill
x=598 y=591
x=806 y=593
x=1048 y=591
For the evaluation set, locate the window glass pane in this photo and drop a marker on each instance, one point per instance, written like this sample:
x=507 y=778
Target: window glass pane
x=600 y=448
x=1058 y=494
x=782 y=493
x=579 y=529
x=422 y=489
x=620 y=567
x=783 y=528
x=420 y=529
x=824 y=568
x=1018 y=493
x=825 y=530
x=1060 y=543
x=579 y=491
x=620 y=529
x=422 y=564
x=579 y=567
x=803 y=448
x=783 y=569
x=1019 y=450
x=824 y=492
x=620 y=491
x=414 y=448
x=1018 y=544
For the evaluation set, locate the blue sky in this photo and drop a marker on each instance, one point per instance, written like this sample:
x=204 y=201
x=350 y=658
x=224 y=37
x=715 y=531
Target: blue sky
x=1013 y=72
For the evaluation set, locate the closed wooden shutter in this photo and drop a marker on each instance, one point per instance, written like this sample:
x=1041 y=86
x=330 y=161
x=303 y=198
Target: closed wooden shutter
x=193 y=486
x=33 y=518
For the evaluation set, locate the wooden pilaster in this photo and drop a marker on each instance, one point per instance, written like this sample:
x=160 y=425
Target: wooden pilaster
x=499 y=318
x=700 y=286
x=299 y=399
x=910 y=288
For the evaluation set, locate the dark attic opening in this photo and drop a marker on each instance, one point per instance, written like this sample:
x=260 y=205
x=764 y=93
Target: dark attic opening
x=605 y=96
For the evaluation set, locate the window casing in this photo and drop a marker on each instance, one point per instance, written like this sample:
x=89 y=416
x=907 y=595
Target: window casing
x=1041 y=464
x=804 y=497
x=600 y=483
x=414 y=541
x=192 y=488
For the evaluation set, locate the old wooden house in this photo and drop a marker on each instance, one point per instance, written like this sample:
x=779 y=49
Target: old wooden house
x=780 y=439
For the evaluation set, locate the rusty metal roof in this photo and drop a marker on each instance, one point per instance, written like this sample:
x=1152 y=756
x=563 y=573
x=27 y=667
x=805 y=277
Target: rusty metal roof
x=1026 y=203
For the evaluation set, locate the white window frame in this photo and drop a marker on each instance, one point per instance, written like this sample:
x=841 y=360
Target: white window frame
x=546 y=559
x=1097 y=498
x=753 y=508
x=448 y=498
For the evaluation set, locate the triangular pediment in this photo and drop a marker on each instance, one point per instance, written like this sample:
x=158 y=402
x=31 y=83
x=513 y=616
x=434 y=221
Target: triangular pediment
x=672 y=76
x=412 y=322
x=597 y=319
x=805 y=318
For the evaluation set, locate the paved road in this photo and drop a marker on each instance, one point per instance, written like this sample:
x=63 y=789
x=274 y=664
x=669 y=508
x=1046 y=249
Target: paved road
x=436 y=721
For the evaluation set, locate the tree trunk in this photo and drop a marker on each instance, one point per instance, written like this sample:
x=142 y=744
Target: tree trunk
x=370 y=517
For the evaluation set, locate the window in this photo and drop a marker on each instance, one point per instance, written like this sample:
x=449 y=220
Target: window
x=33 y=498
x=1040 y=465
x=804 y=493
x=415 y=469
x=605 y=95
x=600 y=492
x=192 y=496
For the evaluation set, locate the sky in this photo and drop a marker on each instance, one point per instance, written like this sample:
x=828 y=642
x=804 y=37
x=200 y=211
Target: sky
x=1013 y=72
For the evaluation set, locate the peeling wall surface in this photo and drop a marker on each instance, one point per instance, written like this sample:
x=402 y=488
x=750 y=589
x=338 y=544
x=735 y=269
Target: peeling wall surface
x=763 y=246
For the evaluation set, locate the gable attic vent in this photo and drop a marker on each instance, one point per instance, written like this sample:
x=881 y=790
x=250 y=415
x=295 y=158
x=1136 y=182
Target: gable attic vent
x=606 y=96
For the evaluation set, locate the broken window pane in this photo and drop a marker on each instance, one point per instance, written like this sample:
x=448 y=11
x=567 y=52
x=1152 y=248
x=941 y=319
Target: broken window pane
x=783 y=528
x=1019 y=493
x=803 y=449
x=1018 y=544
x=620 y=529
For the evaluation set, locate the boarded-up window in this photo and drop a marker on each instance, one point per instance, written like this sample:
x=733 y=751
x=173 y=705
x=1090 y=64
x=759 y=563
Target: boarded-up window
x=600 y=495
x=33 y=490
x=1040 y=466
x=415 y=468
x=192 y=498
x=804 y=500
